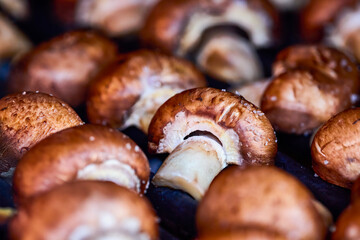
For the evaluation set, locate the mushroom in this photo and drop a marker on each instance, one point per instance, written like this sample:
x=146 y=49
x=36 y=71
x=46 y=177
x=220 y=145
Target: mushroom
x=253 y=91
x=85 y=210
x=319 y=14
x=12 y=42
x=311 y=84
x=130 y=90
x=345 y=34
x=253 y=201
x=81 y=153
x=348 y=224
x=335 y=156
x=113 y=17
x=27 y=118
x=204 y=130
x=63 y=66
x=178 y=27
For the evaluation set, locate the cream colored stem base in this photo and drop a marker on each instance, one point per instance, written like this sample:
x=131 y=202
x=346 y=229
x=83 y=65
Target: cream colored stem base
x=230 y=58
x=192 y=166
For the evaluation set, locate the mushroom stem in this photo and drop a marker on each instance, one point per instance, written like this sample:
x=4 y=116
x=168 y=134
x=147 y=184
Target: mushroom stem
x=230 y=58
x=192 y=166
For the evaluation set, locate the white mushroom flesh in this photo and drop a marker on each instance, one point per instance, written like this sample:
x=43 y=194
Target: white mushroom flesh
x=256 y=23
x=183 y=125
x=145 y=108
x=108 y=228
x=192 y=166
x=113 y=171
x=114 y=16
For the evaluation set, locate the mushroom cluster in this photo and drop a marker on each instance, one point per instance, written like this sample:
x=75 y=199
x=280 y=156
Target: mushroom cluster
x=213 y=149
x=234 y=28
x=334 y=21
x=310 y=84
x=63 y=66
x=130 y=90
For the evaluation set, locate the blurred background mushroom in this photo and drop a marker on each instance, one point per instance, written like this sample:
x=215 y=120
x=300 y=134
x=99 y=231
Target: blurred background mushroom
x=220 y=35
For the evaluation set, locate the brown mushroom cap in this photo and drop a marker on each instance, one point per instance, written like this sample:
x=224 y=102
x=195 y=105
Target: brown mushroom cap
x=25 y=119
x=64 y=156
x=63 y=66
x=244 y=132
x=319 y=13
x=311 y=84
x=170 y=21
x=115 y=92
x=348 y=224
x=255 y=197
x=327 y=60
x=335 y=149
x=85 y=210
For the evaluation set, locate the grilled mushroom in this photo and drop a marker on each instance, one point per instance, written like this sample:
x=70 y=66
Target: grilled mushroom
x=334 y=149
x=81 y=153
x=63 y=66
x=204 y=130
x=27 y=118
x=131 y=90
x=178 y=27
x=311 y=84
x=85 y=210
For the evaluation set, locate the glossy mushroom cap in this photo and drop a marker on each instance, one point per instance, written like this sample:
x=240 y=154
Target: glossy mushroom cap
x=242 y=129
x=348 y=224
x=254 y=199
x=176 y=26
x=84 y=152
x=311 y=84
x=113 y=17
x=63 y=66
x=27 y=118
x=85 y=210
x=131 y=90
x=321 y=13
x=335 y=149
